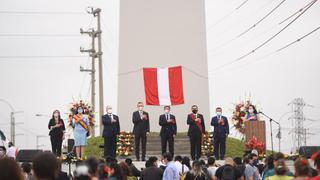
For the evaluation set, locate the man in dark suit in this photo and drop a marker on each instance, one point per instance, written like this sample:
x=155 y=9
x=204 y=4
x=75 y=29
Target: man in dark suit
x=168 y=130
x=220 y=133
x=141 y=127
x=110 y=131
x=196 y=129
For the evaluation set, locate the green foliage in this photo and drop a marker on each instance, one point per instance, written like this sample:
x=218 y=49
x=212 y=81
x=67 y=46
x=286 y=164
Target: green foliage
x=235 y=147
x=93 y=148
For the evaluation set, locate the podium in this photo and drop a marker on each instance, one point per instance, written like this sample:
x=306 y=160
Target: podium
x=257 y=129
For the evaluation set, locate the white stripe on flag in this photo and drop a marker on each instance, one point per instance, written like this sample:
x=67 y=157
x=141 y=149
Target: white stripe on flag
x=163 y=86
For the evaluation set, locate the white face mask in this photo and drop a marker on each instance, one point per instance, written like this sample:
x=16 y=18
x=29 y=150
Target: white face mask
x=140 y=108
x=109 y=111
x=80 y=111
x=219 y=113
x=167 y=111
x=251 y=110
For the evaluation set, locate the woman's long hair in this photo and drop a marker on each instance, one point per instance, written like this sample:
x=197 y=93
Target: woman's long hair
x=196 y=168
x=56 y=111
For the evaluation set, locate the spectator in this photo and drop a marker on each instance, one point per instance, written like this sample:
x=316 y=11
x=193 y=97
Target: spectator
x=103 y=171
x=276 y=157
x=127 y=171
x=3 y=151
x=186 y=161
x=204 y=169
x=251 y=172
x=268 y=165
x=302 y=169
x=196 y=172
x=82 y=172
x=171 y=172
x=212 y=168
x=316 y=158
x=152 y=172
x=62 y=175
x=26 y=169
x=92 y=164
x=12 y=151
x=10 y=170
x=228 y=171
x=45 y=166
x=182 y=168
x=239 y=165
x=134 y=170
x=281 y=172
x=116 y=172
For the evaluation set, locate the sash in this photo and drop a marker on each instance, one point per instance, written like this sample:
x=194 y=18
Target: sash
x=198 y=123
x=79 y=119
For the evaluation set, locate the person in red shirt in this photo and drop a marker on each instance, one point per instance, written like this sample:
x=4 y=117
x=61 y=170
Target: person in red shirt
x=316 y=158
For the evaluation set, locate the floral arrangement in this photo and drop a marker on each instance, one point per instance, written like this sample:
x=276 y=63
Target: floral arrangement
x=239 y=115
x=125 y=143
x=87 y=109
x=207 y=144
x=254 y=143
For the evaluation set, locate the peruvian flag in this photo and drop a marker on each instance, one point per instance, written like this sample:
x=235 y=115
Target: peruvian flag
x=163 y=86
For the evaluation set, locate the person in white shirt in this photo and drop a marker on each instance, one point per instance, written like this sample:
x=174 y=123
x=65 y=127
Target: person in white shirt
x=12 y=151
x=212 y=168
x=182 y=168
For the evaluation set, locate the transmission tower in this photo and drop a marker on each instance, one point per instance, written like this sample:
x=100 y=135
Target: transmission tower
x=298 y=118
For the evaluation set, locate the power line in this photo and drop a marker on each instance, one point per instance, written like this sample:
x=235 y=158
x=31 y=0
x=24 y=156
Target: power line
x=286 y=46
x=250 y=28
x=34 y=56
x=43 y=12
x=228 y=15
x=39 y=35
x=266 y=41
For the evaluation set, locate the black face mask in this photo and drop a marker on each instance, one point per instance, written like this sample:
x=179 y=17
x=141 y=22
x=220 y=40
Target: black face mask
x=194 y=111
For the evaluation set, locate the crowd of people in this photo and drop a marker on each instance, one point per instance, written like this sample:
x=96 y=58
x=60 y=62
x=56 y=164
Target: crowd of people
x=46 y=166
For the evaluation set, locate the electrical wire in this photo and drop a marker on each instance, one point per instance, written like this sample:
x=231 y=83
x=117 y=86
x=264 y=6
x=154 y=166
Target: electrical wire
x=43 y=12
x=250 y=28
x=286 y=46
x=266 y=41
x=228 y=15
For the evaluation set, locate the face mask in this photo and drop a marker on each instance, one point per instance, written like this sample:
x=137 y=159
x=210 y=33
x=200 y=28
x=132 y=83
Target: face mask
x=194 y=111
x=219 y=113
x=109 y=111
x=140 y=108
x=80 y=111
x=251 y=110
x=166 y=111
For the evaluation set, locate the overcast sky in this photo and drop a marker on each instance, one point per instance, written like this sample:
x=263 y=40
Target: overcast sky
x=40 y=85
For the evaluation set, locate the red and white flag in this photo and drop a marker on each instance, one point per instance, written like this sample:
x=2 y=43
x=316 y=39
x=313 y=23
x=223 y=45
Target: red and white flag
x=163 y=86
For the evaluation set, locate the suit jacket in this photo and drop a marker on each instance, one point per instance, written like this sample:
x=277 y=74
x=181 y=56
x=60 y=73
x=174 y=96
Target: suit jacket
x=140 y=125
x=110 y=128
x=167 y=128
x=193 y=128
x=220 y=130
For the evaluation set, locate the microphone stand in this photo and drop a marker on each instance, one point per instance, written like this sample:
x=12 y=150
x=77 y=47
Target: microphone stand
x=271 y=133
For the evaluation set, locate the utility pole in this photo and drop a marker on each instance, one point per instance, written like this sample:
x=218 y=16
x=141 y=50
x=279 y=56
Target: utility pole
x=93 y=55
x=96 y=13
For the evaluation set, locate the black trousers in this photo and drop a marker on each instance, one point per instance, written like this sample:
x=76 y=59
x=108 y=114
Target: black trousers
x=56 y=144
x=219 y=147
x=110 y=146
x=195 y=144
x=143 y=138
x=167 y=139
